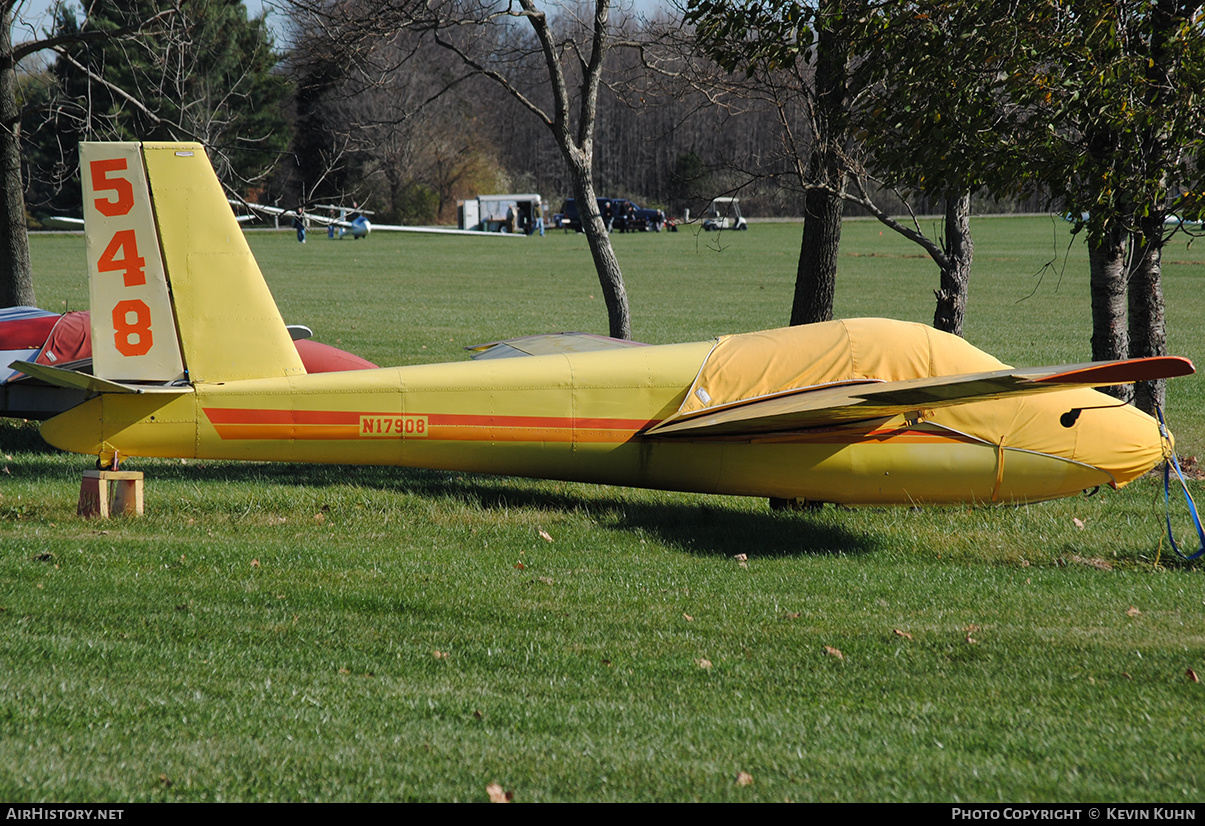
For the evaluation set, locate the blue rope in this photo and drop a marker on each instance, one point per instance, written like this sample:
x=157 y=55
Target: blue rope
x=1192 y=506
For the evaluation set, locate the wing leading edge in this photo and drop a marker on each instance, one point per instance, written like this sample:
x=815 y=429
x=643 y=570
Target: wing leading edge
x=835 y=404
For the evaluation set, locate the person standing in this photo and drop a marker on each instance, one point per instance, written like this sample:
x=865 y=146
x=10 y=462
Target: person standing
x=299 y=224
x=540 y=218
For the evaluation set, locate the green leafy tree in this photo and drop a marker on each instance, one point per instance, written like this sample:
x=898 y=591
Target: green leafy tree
x=930 y=127
x=801 y=52
x=831 y=70
x=1094 y=104
x=1116 y=128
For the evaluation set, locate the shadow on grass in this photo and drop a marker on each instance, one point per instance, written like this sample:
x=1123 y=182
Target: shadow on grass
x=692 y=523
x=696 y=525
x=20 y=436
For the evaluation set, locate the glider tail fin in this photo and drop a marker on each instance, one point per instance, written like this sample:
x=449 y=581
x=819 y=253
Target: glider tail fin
x=175 y=291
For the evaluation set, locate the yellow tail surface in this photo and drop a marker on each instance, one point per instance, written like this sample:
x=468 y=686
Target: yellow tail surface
x=175 y=291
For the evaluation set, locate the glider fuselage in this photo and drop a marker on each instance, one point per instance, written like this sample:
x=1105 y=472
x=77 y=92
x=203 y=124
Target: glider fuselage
x=574 y=417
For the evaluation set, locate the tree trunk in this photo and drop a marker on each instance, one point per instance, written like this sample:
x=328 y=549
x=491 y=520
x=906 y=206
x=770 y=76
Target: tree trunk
x=956 y=273
x=1148 y=336
x=610 y=278
x=816 y=277
x=16 y=273
x=1110 y=335
x=577 y=146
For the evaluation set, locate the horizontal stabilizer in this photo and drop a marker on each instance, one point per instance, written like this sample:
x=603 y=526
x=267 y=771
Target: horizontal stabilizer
x=831 y=405
x=93 y=384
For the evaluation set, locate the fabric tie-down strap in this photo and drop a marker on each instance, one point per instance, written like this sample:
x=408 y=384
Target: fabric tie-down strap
x=1192 y=506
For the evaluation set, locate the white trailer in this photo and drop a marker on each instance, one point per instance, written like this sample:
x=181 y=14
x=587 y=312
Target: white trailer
x=501 y=213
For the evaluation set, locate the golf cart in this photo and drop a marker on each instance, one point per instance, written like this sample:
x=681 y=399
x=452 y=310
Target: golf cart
x=724 y=213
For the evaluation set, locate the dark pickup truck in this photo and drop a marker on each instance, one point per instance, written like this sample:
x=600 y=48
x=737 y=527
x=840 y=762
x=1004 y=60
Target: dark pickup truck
x=625 y=216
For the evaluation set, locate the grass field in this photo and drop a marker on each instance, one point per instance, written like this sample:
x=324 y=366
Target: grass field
x=273 y=632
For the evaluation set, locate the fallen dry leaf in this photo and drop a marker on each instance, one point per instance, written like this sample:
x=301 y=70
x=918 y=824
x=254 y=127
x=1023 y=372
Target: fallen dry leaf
x=704 y=663
x=440 y=655
x=255 y=563
x=165 y=780
x=744 y=779
x=900 y=633
x=741 y=557
x=320 y=518
x=519 y=566
x=344 y=671
x=1079 y=523
x=688 y=617
x=498 y=794
x=1093 y=562
x=1192 y=675
x=834 y=652
x=544 y=535
x=1133 y=612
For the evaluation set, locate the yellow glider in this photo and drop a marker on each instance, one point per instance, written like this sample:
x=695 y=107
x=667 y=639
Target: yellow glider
x=193 y=360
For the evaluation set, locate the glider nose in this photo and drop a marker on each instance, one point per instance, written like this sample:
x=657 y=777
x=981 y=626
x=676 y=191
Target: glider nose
x=1119 y=439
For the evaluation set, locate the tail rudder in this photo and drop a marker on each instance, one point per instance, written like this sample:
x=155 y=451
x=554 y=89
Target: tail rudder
x=133 y=324
x=175 y=290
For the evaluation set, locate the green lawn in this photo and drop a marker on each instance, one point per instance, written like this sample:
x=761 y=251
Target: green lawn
x=274 y=632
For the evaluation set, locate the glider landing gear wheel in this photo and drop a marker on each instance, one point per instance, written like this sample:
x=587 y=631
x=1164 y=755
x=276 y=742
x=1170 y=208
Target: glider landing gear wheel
x=794 y=505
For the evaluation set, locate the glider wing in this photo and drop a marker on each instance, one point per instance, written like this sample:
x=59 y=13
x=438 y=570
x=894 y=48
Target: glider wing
x=860 y=400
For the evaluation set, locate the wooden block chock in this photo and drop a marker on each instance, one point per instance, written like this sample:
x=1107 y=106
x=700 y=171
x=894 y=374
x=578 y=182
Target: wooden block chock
x=106 y=493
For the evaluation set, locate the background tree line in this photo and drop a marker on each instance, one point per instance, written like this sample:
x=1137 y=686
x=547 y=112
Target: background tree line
x=379 y=126
x=818 y=109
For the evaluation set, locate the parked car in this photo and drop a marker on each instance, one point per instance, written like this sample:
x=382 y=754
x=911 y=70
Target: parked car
x=631 y=217
x=624 y=215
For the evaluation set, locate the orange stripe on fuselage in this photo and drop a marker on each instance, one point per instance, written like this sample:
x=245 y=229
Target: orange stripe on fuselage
x=236 y=423
x=323 y=425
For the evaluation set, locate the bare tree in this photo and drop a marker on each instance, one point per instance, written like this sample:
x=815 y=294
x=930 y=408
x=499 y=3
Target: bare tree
x=407 y=143
x=570 y=50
